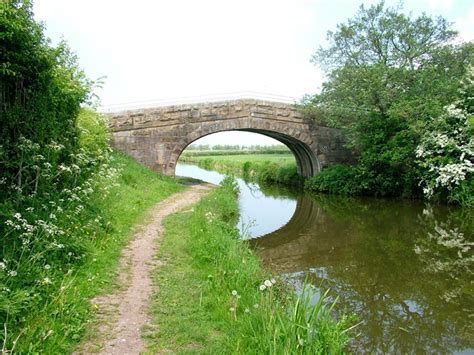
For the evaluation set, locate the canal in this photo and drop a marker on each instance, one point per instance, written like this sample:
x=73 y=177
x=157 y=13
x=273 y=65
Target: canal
x=404 y=268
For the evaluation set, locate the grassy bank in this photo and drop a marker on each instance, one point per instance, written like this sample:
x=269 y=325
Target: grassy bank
x=210 y=297
x=49 y=311
x=269 y=168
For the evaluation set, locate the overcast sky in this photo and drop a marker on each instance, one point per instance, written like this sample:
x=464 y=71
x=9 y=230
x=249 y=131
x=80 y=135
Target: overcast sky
x=168 y=49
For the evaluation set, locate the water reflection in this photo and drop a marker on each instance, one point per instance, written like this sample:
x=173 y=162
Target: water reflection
x=403 y=269
x=262 y=211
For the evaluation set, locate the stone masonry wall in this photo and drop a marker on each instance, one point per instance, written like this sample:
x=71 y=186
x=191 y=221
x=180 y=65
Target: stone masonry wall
x=157 y=136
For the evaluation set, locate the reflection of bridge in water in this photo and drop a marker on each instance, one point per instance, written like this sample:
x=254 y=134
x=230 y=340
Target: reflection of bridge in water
x=311 y=235
x=364 y=251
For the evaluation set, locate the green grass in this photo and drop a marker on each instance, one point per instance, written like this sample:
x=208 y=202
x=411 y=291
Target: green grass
x=65 y=314
x=195 y=310
x=281 y=158
x=268 y=168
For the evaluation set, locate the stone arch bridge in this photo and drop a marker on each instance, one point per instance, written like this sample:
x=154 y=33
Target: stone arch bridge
x=156 y=137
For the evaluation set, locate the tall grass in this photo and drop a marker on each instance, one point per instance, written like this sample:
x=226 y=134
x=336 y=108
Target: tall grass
x=214 y=296
x=60 y=247
x=277 y=168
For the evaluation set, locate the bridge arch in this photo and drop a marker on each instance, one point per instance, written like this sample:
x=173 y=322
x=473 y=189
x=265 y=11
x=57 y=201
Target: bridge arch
x=306 y=162
x=157 y=136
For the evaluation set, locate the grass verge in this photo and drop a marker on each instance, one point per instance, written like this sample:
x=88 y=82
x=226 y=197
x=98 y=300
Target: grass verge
x=63 y=313
x=214 y=297
x=268 y=168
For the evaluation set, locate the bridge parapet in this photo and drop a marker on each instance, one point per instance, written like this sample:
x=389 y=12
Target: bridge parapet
x=203 y=112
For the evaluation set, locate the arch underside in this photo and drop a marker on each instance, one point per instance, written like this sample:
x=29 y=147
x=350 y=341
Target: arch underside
x=306 y=161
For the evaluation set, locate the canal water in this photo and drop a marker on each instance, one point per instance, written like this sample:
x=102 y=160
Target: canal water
x=404 y=268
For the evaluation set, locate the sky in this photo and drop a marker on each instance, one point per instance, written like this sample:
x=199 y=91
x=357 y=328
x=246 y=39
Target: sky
x=174 y=49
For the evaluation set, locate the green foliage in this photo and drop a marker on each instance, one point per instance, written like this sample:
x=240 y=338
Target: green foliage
x=93 y=132
x=272 y=167
x=388 y=75
x=213 y=297
x=278 y=174
x=198 y=151
x=337 y=179
x=379 y=35
x=41 y=89
x=227 y=149
x=230 y=184
x=45 y=305
x=63 y=218
x=446 y=151
x=463 y=194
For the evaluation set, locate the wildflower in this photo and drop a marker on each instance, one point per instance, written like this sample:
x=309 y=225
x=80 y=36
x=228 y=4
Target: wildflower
x=262 y=287
x=247 y=310
x=12 y=273
x=46 y=281
x=232 y=309
x=268 y=283
x=47 y=267
x=255 y=305
x=2 y=265
x=273 y=281
x=234 y=293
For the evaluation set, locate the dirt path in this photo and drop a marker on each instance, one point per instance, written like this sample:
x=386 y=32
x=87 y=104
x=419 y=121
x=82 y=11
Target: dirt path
x=124 y=313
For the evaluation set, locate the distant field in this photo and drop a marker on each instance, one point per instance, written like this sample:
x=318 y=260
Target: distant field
x=283 y=158
x=271 y=168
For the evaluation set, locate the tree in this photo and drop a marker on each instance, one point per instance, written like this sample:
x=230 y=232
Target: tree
x=384 y=36
x=387 y=75
x=41 y=90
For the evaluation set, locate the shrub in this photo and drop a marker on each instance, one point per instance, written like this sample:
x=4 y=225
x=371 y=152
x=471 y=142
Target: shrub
x=272 y=173
x=336 y=179
x=446 y=152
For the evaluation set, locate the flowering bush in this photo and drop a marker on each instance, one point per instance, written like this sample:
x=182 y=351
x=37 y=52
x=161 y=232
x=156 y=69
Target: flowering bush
x=49 y=220
x=446 y=151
